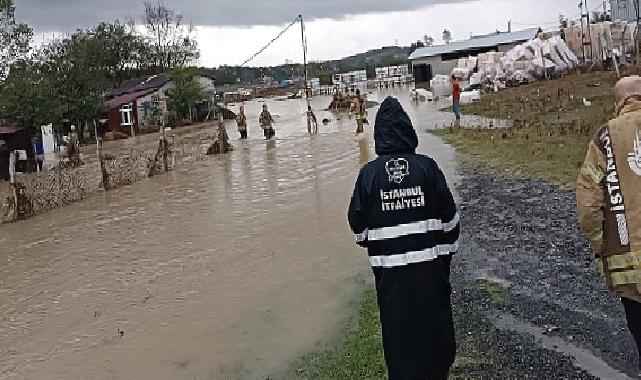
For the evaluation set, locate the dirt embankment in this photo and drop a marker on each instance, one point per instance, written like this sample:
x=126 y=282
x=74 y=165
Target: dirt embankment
x=128 y=161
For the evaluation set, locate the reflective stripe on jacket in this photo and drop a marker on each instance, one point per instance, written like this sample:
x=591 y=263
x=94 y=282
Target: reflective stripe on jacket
x=609 y=201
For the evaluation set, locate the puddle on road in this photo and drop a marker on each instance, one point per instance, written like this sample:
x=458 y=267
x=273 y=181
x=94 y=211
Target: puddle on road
x=233 y=266
x=582 y=358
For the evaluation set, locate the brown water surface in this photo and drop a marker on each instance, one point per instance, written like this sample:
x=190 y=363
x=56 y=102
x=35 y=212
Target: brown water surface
x=227 y=268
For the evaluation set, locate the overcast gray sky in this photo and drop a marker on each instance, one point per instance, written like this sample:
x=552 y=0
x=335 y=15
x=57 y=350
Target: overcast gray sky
x=63 y=14
x=230 y=31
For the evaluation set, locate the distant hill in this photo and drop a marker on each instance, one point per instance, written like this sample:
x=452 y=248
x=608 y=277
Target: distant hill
x=385 y=56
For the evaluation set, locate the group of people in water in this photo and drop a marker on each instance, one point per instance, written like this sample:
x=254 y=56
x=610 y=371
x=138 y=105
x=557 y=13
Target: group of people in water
x=358 y=109
x=266 y=123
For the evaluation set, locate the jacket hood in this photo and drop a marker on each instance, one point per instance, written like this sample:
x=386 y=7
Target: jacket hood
x=626 y=89
x=393 y=131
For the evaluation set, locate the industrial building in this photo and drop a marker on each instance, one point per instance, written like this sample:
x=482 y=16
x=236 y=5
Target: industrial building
x=433 y=60
x=623 y=10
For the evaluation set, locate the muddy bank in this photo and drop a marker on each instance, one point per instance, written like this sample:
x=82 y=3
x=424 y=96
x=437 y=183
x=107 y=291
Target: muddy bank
x=522 y=244
x=126 y=163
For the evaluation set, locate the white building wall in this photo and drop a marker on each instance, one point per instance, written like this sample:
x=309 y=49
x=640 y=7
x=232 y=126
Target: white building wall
x=161 y=96
x=438 y=65
x=349 y=78
x=392 y=71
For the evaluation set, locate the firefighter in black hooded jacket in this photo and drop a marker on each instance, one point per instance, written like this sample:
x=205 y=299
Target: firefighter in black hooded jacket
x=404 y=213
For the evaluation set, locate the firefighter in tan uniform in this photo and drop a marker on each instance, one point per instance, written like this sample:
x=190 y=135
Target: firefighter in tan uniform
x=609 y=200
x=358 y=108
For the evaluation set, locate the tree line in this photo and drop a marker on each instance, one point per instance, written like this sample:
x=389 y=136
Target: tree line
x=67 y=78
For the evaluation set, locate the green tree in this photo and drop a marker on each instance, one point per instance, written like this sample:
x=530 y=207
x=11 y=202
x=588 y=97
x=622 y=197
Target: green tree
x=186 y=92
x=15 y=38
x=447 y=37
x=172 y=43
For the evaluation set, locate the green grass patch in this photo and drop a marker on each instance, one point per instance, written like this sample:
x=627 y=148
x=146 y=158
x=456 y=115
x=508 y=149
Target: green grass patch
x=551 y=126
x=359 y=356
x=535 y=152
x=496 y=293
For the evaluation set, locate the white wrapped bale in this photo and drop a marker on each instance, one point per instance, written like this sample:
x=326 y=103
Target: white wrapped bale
x=441 y=85
x=461 y=73
x=471 y=63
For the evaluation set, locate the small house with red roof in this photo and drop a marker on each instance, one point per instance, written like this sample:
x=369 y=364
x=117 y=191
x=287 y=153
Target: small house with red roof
x=138 y=105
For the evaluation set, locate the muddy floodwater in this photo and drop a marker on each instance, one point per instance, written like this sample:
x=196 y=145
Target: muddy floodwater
x=228 y=268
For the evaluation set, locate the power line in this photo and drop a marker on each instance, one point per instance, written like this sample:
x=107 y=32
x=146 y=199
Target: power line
x=297 y=19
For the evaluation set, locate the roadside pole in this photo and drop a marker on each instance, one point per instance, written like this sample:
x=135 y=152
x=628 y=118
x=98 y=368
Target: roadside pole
x=165 y=164
x=307 y=92
x=545 y=69
x=99 y=152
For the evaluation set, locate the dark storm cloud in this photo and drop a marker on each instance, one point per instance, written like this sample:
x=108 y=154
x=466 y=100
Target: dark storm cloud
x=65 y=15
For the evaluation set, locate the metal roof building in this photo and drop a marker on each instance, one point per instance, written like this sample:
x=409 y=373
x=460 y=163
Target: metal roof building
x=430 y=61
x=623 y=10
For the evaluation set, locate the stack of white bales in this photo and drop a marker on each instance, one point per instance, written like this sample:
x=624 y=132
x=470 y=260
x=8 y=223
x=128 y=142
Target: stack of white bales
x=441 y=86
x=537 y=55
x=464 y=67
x=523 y=62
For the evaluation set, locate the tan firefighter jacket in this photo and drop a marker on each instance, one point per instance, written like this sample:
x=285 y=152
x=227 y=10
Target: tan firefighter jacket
x=241 y=122
x=266 y=120
x=609 y=200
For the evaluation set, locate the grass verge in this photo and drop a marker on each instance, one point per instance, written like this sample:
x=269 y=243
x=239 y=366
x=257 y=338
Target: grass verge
x=359 y=356
x=552 y=123
x=360 y=353
x=525 y=152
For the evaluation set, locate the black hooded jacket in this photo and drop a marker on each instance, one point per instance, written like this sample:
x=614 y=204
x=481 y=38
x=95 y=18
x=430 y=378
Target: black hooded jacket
x=402 y=209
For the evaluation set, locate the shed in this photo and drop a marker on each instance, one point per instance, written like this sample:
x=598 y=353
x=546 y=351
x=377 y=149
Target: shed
x=442 y=59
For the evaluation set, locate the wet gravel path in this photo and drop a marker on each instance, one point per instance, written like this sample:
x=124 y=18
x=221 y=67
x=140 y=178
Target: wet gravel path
x=521 y=236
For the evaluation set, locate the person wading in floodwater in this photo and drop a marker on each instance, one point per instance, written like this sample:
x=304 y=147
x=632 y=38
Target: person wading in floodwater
x=609 y=200
x=312 y=119
x=241 y=122
x=266 y=120
x=358 y=109
x=403 y=212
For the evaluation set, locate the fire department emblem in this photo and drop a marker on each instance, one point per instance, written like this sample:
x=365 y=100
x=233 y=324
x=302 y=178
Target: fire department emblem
x=397 y=169
x=634 y=158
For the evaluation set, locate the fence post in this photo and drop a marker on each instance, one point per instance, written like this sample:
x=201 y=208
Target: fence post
x=165 y=164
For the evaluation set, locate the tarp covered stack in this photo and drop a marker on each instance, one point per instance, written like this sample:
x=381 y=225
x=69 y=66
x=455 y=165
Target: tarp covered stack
x=617 y=34
x=465 y=67
x=546 y=53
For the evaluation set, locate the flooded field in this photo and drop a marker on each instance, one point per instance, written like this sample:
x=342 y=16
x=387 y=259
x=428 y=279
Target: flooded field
x=227 y=268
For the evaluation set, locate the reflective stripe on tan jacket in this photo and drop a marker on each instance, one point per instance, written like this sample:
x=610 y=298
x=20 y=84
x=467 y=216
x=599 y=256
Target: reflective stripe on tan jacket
x=609 y=200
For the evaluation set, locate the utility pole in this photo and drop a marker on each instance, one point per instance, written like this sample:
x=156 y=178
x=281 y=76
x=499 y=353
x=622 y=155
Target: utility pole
x=636 y=33
x=582 y=33
x=307 y=90
x=586 y=16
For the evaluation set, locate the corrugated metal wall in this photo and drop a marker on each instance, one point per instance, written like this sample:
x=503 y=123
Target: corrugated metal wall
x=623 y=10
